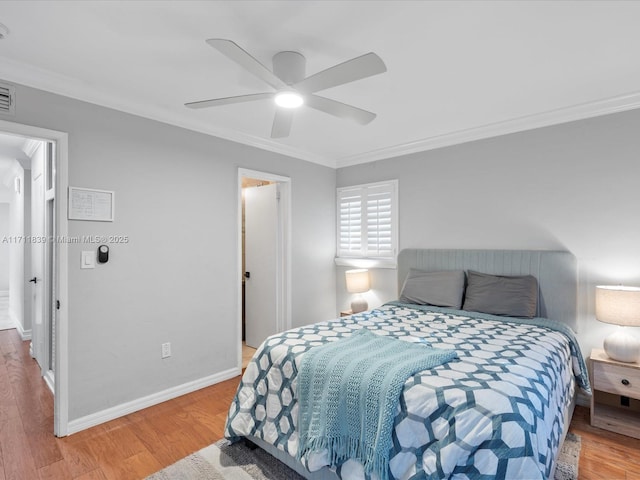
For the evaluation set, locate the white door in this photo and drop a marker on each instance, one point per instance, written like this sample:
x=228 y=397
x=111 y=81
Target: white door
x=50 y=256
x=261 y=260
x=43 y=254
x=38 y=335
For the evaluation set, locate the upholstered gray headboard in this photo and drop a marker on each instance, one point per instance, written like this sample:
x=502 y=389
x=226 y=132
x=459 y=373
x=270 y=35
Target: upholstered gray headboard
x=556 y=273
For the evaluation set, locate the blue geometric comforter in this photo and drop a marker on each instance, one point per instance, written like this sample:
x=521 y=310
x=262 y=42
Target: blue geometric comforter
x=495 y=412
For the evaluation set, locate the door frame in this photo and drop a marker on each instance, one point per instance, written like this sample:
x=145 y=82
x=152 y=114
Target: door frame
x=61 y=270
x=283 y=274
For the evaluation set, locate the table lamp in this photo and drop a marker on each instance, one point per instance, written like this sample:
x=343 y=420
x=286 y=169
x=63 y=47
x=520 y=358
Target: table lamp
x=358 y=282
x=621 y=306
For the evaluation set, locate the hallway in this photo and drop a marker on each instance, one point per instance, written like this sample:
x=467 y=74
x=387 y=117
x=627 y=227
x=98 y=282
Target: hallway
x=5 y=321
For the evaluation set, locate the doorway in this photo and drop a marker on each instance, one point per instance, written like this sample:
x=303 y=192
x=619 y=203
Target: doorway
x=264 y=227
x=49 y=330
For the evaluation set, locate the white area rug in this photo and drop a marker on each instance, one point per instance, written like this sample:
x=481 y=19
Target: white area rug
x=239 y=462
x=569 y=458
x=229 y=462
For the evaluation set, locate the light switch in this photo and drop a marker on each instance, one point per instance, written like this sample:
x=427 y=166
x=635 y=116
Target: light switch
x=88 y=259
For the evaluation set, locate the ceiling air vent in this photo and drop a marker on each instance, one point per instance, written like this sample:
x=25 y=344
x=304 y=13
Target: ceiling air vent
x=7 y=99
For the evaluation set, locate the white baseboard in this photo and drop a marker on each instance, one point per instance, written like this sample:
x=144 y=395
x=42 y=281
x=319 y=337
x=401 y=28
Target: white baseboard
x=24 y=334
x=88 y=421
x=49 y=379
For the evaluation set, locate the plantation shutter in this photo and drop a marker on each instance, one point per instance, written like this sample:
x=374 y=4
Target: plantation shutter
x=379 y=238
x=366 y=220
x=350 y=222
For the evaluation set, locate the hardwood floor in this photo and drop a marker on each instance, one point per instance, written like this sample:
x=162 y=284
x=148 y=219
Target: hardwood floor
x=131 y=447
x=247 y=354
x=139 y=444
x=605 y=455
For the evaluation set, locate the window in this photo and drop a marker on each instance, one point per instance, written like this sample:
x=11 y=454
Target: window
x=367 y=220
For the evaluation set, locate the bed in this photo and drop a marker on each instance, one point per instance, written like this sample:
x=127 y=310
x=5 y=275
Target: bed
x=500 y=409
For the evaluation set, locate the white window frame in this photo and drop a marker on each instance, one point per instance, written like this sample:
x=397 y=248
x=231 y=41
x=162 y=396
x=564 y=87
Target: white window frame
x=363 y=259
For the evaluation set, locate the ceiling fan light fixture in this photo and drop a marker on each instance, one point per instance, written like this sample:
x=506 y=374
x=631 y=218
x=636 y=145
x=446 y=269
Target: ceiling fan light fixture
x=288 y=99
x=291 y=89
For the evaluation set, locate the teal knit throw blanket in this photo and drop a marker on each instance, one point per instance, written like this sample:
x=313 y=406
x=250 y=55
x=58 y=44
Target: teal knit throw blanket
x=348 y=391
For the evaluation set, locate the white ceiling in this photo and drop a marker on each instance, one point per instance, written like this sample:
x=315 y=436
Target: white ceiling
x=457 y=70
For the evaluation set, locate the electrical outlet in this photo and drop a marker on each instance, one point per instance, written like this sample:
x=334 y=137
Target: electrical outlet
x=166 y=350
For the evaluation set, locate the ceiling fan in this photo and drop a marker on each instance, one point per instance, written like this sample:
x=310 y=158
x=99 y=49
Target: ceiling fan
x=293 y=89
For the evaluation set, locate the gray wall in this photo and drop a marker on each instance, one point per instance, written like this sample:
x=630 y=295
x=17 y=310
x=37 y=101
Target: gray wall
x=571 y=187
x=175 y=280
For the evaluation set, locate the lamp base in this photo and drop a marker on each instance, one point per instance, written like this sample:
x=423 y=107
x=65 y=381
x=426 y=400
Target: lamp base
x=622 y=346
x=359 y=304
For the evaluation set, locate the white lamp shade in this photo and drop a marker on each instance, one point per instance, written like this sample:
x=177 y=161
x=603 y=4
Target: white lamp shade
x=618 y=305
x=357 y=280
x=621 y=306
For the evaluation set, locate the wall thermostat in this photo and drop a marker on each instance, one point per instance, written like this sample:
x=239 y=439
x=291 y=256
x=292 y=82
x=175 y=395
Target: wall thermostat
x=103 y=254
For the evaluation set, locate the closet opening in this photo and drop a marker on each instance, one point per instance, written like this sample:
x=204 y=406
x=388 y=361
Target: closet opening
x=264 y=263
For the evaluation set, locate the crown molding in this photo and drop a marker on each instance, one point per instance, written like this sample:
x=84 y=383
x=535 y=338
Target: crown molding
x=30 y=147
x=545 y=119
x=252 y=141
x=20 y=73
x=17 y=72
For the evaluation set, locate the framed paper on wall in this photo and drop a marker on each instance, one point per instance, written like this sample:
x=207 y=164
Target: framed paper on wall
x=90 y=204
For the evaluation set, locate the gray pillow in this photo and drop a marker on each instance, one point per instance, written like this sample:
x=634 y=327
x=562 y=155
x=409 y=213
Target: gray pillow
x=513 y=296
x=443 y=289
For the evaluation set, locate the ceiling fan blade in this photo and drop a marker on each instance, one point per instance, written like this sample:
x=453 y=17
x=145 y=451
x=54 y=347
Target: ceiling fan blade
x=216 y=102
x=244 y=59
x=360 y=67
x=339 y=109
x=282 y=123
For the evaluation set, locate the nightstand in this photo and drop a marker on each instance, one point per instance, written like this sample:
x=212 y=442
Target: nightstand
x=615 y=403
x=345 y=313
